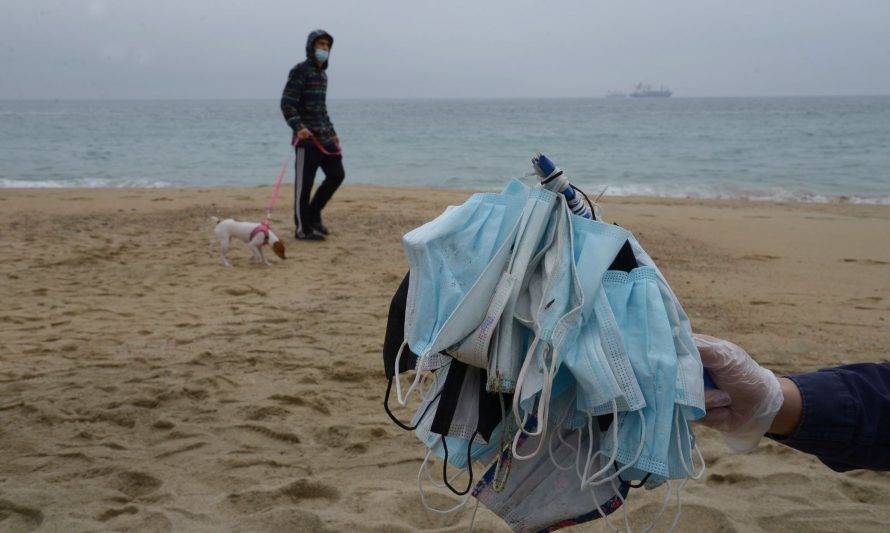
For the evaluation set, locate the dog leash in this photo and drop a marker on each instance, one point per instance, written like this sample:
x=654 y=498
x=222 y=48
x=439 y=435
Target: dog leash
x=276 y=191
x=324 y=150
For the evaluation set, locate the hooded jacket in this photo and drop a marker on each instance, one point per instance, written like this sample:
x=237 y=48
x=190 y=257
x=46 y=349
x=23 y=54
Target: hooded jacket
x=303 y=101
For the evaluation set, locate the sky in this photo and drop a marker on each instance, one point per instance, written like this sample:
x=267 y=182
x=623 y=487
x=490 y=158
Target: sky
x=99 y=49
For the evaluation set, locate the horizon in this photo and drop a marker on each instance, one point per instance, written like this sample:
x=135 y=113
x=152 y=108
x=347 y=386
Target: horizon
x=444 y=98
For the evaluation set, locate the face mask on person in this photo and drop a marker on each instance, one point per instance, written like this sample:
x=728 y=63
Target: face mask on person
x=321 y=55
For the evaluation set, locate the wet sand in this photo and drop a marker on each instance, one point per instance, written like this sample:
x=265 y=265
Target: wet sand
x=145 y=387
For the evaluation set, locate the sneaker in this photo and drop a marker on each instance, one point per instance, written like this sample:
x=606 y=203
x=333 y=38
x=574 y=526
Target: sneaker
x=311 y=235
x=321 y=228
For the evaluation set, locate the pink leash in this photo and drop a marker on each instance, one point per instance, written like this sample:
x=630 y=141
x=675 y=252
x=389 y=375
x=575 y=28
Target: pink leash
x=276 y=191
x=322 y=149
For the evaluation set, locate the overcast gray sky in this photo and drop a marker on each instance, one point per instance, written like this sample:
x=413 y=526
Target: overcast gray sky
x=456 y=48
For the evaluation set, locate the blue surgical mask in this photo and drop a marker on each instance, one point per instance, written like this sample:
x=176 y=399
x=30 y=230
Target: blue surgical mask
x=456 y=261
x=690 y=384
x=596 y=356
x=644 y=437
x=551 y=307
x=321 y=55
x=512 y=336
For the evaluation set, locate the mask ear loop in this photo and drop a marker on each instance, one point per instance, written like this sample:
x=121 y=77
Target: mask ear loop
x=602 y=512
x=392 y=416
x=473 y=517
x=469 y=466
x=520 y=381
x=442 y=485
x=578 y=455
x=429 y=404
x=636 y=458
x=623 y=506
x=611 y=461
x=664 y=505
x=504 y=461
x=403 y=400
x=543 y=406
x=423 y=501
x=689 y=469
x=556 y=432
x=679 y=505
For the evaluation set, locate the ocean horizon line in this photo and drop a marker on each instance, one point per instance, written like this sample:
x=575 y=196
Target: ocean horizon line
x=445 y=98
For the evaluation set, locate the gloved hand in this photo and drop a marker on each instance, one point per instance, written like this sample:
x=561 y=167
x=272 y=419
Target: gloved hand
x=748 y=398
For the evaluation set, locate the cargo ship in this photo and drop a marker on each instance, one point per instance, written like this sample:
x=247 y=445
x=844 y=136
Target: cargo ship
x=646 y=91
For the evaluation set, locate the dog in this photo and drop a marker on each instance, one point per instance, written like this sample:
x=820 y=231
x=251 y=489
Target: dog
x=254 y=235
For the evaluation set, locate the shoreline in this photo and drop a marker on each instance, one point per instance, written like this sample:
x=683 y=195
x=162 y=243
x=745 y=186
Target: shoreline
x=835 y=201
x=809 y=198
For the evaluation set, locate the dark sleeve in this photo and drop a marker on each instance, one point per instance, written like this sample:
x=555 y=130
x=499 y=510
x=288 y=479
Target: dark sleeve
x=290 y=98
x=845 y=419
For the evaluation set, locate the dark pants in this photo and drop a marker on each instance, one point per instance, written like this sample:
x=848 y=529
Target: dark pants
x=307 y=212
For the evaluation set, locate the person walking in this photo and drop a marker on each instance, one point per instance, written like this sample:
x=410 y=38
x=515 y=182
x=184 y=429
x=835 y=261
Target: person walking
x=304 y=106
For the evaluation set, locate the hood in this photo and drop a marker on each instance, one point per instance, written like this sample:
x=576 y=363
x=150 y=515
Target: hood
x=310 y=41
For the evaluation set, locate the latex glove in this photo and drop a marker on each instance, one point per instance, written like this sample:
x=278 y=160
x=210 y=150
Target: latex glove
x=749 y=396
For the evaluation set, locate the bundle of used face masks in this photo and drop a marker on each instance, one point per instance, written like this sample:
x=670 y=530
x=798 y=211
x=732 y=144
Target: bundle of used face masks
x=549 y=349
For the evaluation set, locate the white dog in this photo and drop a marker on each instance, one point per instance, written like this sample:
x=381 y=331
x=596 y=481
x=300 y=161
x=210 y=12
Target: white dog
x=254 y=235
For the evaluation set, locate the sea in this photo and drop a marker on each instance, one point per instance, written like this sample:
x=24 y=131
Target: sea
x=810 y=149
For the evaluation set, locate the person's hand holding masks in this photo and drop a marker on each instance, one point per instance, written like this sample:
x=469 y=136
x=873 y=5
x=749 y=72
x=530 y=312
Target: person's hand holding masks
x=748 y=398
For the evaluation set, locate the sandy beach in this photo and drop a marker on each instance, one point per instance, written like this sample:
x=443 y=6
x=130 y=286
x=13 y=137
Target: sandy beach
x=145 y=387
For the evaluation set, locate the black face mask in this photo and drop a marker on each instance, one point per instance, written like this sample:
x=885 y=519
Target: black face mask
x=392 y=343
x=490 y=411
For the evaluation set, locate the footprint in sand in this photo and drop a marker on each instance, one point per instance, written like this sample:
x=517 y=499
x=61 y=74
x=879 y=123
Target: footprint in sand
x=163 y=425
x=263 y=412
x=182 y=449
x=14 y=517
x=827 y=520
x=870 y=262
x=283 y=519
x=410 y=511
x=240 y=291
x=135 y=484
x=862 y=491
x=282 y=436
x=334 y=436
x=318 y=405
x=704 y=518
x=350 y=376
x=112 y=513
x=292 y=493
